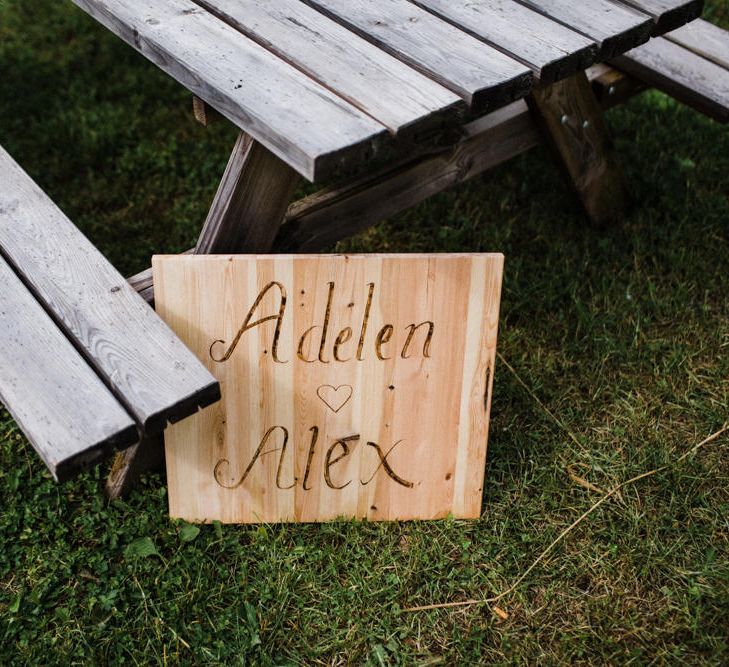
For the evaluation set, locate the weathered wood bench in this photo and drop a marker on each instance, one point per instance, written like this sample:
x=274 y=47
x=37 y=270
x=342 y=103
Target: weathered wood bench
x=86 y=367
x=690 y=64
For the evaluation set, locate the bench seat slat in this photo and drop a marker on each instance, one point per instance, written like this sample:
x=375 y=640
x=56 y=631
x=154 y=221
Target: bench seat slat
x=483 y=76
x=149 y=370
x=615 y=27
x=253 y=88
x=549 y=48
x=668 y=14
x=69 y=416
x=704 y=39
x=682 y=74
x=382 y=86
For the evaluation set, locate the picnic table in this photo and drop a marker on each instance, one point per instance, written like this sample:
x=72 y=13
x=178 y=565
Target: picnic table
x=331 y=90
x=387 y=102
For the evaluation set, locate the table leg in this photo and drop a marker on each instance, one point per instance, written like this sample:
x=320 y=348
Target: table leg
x=572 y=123
x=250 y=203
x=245 y=216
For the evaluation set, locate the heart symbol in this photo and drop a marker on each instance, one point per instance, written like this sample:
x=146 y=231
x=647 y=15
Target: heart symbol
x=335 y=398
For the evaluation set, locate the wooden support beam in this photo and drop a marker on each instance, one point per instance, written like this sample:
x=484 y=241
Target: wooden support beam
x=611 y=86
x=332 y=214
x=572 y=124
x=318 y=221
x=130 y=464
x=250 y=202
x=203 y=112
x=245 y=216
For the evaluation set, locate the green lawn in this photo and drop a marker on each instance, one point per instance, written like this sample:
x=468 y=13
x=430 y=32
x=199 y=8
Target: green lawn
x=617 y=344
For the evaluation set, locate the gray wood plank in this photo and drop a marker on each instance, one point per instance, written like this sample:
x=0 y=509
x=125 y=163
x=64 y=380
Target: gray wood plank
x=483 y=76
x=668 y=14
x=705 y=39
x=616 y=28
x=65 y=410
x=309 y=127
x=682 y=74
x=549 y=48
x=146 y=366
x=382 y=86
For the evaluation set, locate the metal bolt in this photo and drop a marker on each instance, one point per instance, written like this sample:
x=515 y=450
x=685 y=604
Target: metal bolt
x=585 y=124
x=611 y=90
x=565 y=119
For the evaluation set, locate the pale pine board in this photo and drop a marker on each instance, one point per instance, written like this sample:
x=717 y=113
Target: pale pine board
x=438 y=405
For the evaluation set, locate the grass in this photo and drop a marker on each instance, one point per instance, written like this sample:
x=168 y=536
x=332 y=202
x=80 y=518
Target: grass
x=622 y=334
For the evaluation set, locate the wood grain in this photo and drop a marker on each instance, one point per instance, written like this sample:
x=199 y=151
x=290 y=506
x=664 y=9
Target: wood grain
x=360 y=394
x=704 y=39
x=253 y=88
x=148 y=456
x=203 y=112
x=675 y=70
x=245 y=216
x=383 y=87
x=616 y=28
x=668 y=14
x=481 y=75
x=550 y=49
x=148 y=369
x=318 y=221
x=68 y=415
x=250 y=203
x=572 y=123
x=611 y=86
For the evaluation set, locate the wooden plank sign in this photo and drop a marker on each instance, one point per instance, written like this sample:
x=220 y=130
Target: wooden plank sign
x=353 y=386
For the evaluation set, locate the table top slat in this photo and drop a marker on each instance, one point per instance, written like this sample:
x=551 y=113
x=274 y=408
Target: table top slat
x=382 y=86
x=549 y=48
x=331 y=86
x=615 y=27
x=667 y=14
x=253 y=88
x=63 y=407
x=483 y=76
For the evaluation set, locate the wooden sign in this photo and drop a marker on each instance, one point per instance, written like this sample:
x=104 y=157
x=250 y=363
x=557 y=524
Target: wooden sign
x=353 y=386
